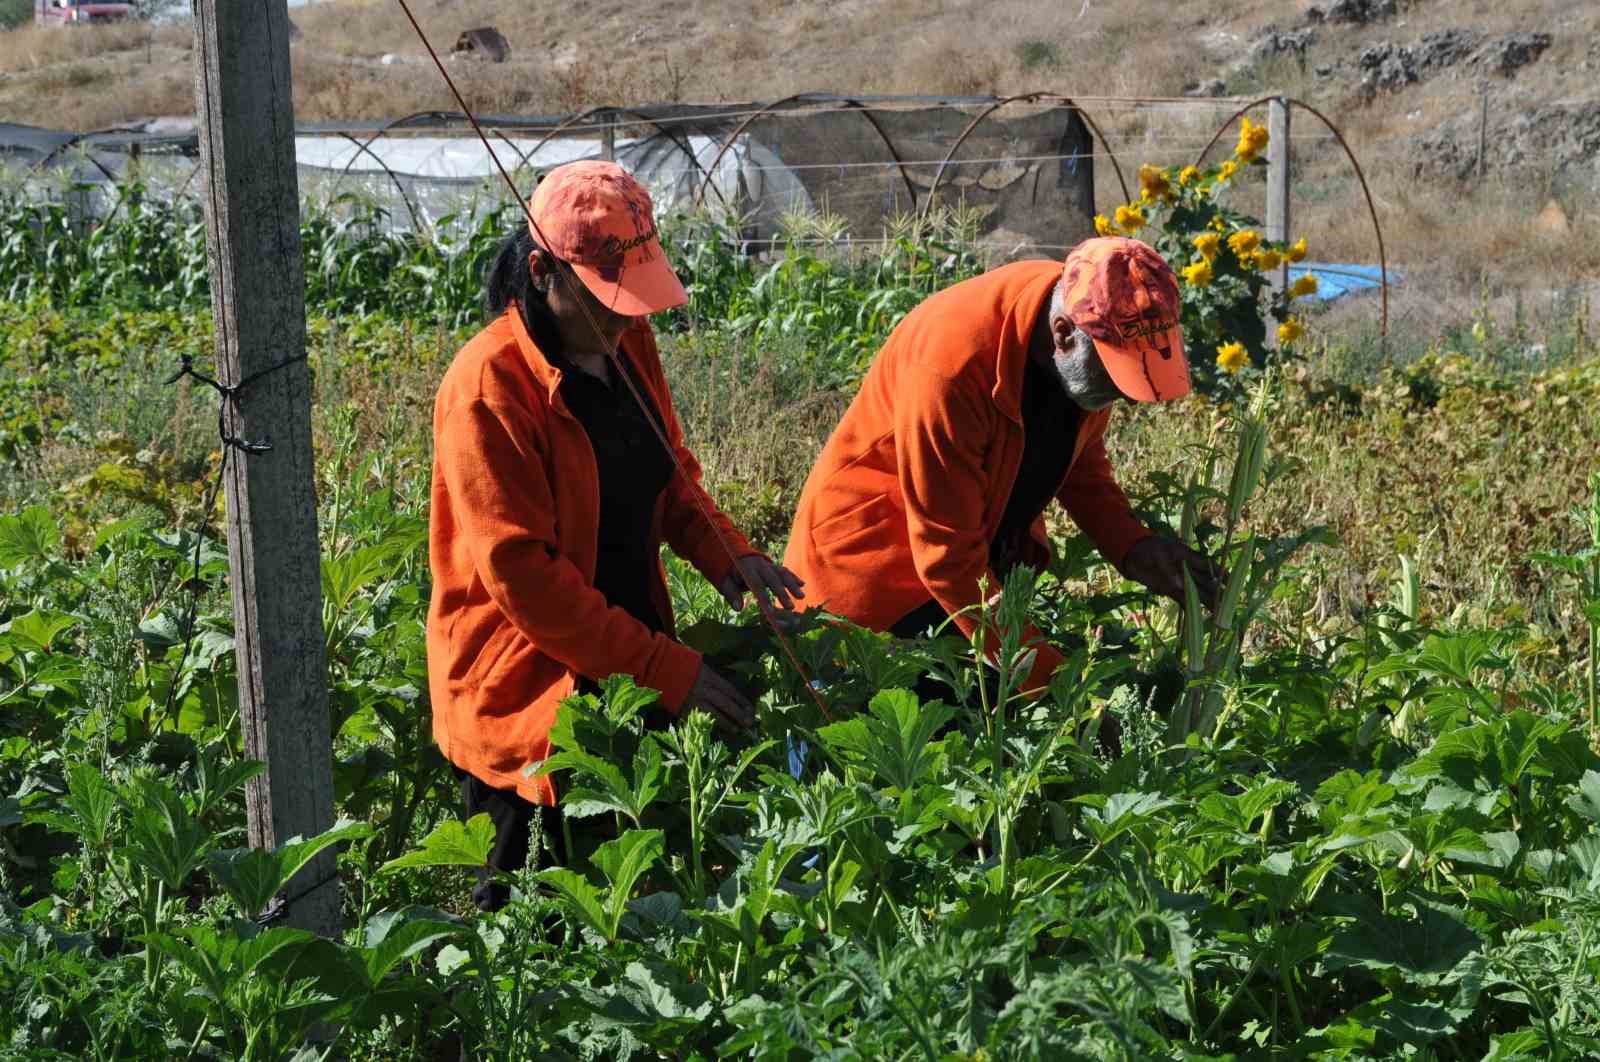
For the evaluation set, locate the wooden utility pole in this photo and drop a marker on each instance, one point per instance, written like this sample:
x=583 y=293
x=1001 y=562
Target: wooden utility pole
x=1279 y=179
x=252 y=206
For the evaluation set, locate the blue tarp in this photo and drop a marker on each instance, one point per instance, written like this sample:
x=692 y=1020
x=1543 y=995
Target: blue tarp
x=1339 y=278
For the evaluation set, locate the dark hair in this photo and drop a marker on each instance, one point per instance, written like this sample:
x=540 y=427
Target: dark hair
x=507 y=282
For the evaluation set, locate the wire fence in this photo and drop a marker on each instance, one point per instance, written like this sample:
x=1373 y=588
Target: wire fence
x=1029 y=167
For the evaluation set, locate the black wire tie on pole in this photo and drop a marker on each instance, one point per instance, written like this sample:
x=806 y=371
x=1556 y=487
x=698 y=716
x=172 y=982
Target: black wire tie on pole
x=225 y=393
x=281 y=903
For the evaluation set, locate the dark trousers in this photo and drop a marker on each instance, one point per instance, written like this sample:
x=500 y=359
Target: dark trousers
x=513 y=821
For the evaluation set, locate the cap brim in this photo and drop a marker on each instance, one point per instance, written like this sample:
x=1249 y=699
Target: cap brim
x=636 y=290
x=1141 y=372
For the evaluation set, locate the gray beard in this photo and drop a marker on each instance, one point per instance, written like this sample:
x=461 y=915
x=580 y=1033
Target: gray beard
x=1083 y=377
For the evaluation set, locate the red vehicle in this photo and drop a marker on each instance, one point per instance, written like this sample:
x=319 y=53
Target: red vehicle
x=77 y=12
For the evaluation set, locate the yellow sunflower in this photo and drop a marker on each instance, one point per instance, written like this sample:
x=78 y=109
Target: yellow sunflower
x=1231 y=357
x=1199 y=274
x=1244 y=242
x=1154 y=183
x=1252 y=139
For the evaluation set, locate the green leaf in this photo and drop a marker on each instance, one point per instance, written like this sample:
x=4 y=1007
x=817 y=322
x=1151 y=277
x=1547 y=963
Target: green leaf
x=216 y=779
x=164 y=838
x=1495 y=849
x=1413 y=1023
x=1427 y=948
x=253 y=876
x=200 y=960
x=1516 y=1046
x=895 y=741
x=28 y=536
x=253 y=953
x=612 y=794
x=579 y=897
x=1586 y=801
x=93 y=803
x=451 y=844
x=624 y=699
x=345 y=577
x=623 y=861
x=37 y=630
x=662 y=908
x=116 y=529
x=398 y=935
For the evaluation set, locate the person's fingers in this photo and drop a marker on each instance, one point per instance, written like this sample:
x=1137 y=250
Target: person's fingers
x=728 y=705
x=774 y=583
x=727 y=716
x=759 y=587
x=796 y=585
x=725 y=699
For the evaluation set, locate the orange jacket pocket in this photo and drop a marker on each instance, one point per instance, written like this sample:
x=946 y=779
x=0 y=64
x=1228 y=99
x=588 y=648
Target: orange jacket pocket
x=858 y=518
x=495 y=648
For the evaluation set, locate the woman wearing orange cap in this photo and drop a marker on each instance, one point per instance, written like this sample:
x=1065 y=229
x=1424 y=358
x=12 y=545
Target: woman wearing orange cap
x=552 y=494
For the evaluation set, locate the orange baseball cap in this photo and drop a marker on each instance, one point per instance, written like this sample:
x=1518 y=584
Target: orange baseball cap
x=1125 y=296
x=599 y=220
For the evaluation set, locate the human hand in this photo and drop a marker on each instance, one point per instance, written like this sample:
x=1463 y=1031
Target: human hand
x=1159 y=561
x=714 y=694
x=764 y=577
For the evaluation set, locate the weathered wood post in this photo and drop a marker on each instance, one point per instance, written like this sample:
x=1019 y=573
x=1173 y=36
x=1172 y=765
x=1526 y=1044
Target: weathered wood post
x=1483 y=132
x=608 y=136
x=252 y=207
x=1279 y=179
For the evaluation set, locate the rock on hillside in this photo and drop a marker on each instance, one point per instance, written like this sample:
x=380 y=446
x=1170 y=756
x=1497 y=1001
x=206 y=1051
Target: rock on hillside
x=1535 y=120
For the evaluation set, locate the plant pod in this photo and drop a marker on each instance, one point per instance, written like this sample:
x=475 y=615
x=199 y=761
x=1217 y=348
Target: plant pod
x=1410 y=587
x=1246 y=467
x=1258 y=453
x=1236 y=580
x=1193 y=626
x=1060 y=823
x=1368 y=730
x=1187 y=521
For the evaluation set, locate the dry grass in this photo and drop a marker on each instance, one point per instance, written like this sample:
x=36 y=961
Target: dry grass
x=34 y=48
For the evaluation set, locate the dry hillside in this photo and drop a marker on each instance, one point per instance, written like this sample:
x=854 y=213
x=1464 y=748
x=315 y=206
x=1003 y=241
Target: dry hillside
x=1403 y=80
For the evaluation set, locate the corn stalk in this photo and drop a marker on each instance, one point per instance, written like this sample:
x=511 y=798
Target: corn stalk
x=1212 y=648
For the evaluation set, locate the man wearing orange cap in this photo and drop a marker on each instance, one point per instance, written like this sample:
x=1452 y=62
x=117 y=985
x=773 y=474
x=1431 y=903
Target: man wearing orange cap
x=988 y=400
x=559 y=470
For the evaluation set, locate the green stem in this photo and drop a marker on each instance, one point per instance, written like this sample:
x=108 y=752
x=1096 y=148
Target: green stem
x=1286 y=977
x=1205 y=1037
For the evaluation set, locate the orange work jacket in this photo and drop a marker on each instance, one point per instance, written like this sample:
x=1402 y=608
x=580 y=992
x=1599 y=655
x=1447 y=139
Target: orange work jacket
x=514 y=617
x=910 y=488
